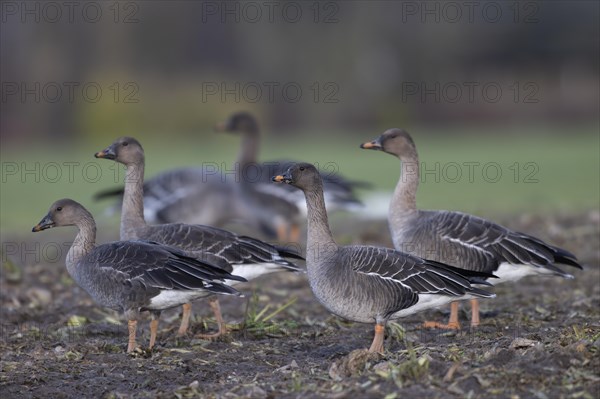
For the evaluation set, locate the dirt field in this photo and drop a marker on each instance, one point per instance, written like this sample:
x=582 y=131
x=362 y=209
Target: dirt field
x=540 y=338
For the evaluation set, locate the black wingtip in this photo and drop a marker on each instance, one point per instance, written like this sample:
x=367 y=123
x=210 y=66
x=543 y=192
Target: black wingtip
x=288 y=252
x=236 y=278
x=468 y=274
x=109 y=193
x=219 y=288
x=203 y=268
x=558 y=271
x=567 y=259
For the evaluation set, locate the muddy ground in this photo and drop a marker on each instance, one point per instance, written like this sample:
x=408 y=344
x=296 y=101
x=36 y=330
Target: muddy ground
x=540 y=338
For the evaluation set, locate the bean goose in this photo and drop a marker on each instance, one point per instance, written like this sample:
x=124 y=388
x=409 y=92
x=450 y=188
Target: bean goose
x=370 y=284
x=206 y=196
x=133 y=276
x=463 y=240
x=241 y=255
x=283 y=202
x=200 y=195
x=193 y=195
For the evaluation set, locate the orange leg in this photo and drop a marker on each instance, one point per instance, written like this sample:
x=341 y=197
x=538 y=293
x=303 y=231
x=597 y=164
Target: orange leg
x=453 y=323
x=216 y=308
x=474 y=312
x=294 y=235
x=185 y=319
x=131 y=326
x=282 y=232
x=377 y=345
x=153 y=330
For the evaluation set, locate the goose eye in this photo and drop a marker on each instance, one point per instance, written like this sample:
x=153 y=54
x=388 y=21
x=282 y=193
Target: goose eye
x=125 y=144
x=302 y=168
x=59 y=208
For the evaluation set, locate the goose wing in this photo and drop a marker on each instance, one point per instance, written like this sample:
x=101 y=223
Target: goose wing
x=419 y=275
x=484 y=244
x=159 y=266
x=220 y=246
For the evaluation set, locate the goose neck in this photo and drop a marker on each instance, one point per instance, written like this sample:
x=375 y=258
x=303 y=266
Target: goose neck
x=132 y=212
x=249 y=150
x=84 y=242
x=319 y=235
x=404 y=197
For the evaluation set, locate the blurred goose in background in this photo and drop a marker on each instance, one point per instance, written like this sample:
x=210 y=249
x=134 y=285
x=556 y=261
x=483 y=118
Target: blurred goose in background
x=283 y=203
x=369 y=284
x=240 y=255
x=196 y=196
x=192 y=195
x=463 y=240
x=133 y=276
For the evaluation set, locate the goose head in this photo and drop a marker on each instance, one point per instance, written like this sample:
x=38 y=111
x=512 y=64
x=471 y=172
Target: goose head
x=393 y=141
x=303 y=175
x=64 y=212
x=240 y=122
x=125 y=150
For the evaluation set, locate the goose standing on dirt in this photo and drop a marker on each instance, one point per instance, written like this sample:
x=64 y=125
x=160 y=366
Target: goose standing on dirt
x=370 y=284
x=279 y=205
x=463 y=240
x=240 y=255
x=133 y=276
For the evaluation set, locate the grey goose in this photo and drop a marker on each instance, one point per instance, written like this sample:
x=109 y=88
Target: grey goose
x=241 y=255
x=133 y=276
x=463 y=240
x=370 y=284
x=197 y=195
x=190 y=194
x=204 y=196
x=280 y=206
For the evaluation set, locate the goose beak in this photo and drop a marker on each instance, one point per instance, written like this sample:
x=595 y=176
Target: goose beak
x=285 y=178
x=44 y=224
x=108 y=153
x=372 y=145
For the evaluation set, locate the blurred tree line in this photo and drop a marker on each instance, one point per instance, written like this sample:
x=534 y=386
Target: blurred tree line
x=178 y=67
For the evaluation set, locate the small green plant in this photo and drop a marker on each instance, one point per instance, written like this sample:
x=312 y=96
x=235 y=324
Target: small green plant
x=579 y=332
x=296 y=383
x=260 y=322
x=397 y=332
x=10 y=270
x=455 y=354
x=410 y=370
x=414 y=368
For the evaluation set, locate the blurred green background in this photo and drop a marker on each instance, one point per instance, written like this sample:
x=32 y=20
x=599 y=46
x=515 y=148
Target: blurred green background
x=169 y=71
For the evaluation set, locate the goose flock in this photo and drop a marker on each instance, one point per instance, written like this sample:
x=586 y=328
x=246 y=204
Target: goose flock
x=172 y=248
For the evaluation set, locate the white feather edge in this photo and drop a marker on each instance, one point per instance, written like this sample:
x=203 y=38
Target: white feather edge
x=171 y=298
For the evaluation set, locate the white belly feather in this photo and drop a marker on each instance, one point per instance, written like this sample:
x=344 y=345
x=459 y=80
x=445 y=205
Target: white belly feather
x=428 y=301
x=513 y=272
x=171 y=298
x=253 y=270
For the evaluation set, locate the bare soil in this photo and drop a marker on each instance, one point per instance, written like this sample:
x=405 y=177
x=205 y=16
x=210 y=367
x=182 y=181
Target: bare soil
x=540 y=338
